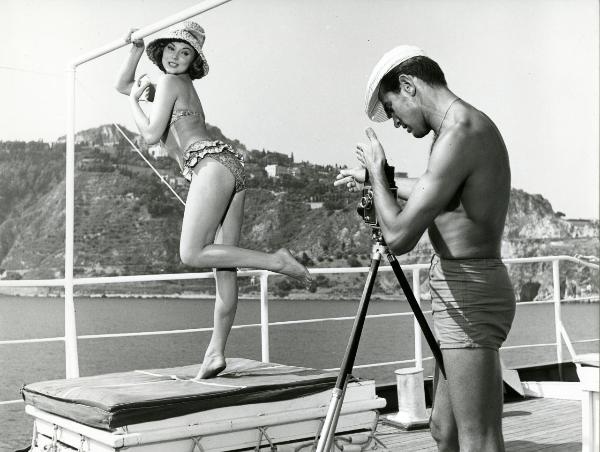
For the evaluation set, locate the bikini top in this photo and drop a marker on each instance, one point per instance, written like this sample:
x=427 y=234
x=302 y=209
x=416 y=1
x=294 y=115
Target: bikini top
x=181 y=113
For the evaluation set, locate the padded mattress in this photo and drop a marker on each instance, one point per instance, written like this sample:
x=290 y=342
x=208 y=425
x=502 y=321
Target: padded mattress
x=114 y=400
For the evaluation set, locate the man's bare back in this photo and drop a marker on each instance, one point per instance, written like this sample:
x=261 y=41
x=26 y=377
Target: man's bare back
x=472 y=223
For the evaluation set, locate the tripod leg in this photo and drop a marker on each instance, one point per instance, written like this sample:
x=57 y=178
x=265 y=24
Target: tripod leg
x=337 y=398
x=433 y=345
x=333 y=414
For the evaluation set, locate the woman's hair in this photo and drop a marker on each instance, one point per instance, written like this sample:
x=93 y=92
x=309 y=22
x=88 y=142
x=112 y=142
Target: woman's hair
x=422 y=67
x=196 y=69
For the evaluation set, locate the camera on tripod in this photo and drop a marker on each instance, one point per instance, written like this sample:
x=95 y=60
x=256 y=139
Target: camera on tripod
x=366 y=209
x=366 y=205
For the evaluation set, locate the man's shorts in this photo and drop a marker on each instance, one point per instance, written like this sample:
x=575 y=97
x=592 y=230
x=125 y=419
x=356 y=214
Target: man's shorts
x=473 y=302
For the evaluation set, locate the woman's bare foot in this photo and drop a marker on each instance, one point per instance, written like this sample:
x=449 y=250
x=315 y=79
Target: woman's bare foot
x=212 y=366
x=291 y=267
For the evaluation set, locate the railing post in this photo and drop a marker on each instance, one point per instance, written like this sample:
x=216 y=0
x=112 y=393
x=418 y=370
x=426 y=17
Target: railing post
x=557 y=316
x=417 y=291
x=264 y=316
x=71 y=356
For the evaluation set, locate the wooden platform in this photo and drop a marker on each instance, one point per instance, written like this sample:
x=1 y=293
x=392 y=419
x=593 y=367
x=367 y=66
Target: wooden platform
x=549 y=425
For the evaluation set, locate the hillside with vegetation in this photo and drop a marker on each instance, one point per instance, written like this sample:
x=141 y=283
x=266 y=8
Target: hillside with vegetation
x=127 y=222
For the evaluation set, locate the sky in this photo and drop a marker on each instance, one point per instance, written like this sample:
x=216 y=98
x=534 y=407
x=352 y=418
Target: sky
x=290 y=76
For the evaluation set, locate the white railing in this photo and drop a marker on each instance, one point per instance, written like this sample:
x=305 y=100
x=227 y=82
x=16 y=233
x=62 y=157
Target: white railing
x=560 y=332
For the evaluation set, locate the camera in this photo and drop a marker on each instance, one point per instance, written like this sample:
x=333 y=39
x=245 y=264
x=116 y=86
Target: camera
x=366 y=205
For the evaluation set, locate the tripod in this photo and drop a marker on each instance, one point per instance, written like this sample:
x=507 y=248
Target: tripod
x=337 y=397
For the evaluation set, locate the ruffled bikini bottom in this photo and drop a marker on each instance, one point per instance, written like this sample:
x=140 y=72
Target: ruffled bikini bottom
x=219 y=151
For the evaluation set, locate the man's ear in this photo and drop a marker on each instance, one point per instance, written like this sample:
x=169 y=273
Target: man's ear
x=407 y=84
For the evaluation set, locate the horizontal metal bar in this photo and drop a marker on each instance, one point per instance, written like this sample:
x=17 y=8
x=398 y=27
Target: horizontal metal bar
x=159 y=333
x=141 y=278
x=30 y=341
x=509 y=347
x=120 y=279
x=201 y=330
x=148 y=30
x=541 y=259
x=250 y=325
x=247 y=273
x=161 y=277
x=583 y=341
x=389 y=363
x=563 y=300
x=364 y=366
x=333 y=319
x=32 y=283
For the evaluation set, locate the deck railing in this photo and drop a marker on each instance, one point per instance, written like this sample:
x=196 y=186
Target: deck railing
x=72 y=360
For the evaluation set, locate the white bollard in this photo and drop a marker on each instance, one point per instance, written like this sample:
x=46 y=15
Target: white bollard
x=412 y=413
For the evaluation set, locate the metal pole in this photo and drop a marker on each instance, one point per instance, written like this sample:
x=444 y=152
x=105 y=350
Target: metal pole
x=264 y=316
x=149 y=29
x=557 y=316
x=71 y=356
x=326 y=437
x=417 y=292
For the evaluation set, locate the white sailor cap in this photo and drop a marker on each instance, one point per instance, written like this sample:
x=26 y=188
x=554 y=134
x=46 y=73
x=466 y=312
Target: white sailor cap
x=389 y=61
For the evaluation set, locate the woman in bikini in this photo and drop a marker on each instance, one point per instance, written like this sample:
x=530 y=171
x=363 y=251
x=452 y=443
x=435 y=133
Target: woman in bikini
x=214 y=208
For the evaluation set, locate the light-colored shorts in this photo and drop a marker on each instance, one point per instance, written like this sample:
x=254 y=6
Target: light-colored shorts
x=473 y=302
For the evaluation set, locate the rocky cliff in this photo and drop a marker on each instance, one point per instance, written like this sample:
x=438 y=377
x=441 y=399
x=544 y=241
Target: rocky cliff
x=127 y=223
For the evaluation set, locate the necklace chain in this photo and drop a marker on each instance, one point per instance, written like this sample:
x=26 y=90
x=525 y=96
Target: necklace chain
x=445 y=114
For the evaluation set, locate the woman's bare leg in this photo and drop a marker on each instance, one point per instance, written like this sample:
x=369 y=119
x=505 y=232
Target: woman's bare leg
x=210 y=207
x=227 y=292
x=206 y=206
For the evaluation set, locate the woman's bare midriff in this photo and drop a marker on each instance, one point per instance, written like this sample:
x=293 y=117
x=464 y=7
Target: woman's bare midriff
x=182 y=134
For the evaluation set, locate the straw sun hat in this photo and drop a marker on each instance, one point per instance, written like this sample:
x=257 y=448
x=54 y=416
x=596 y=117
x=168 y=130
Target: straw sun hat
x=389 y=61
x=188 y=32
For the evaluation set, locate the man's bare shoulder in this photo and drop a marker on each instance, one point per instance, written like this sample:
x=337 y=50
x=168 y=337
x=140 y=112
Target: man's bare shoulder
x=455 y=139
x=471 y=131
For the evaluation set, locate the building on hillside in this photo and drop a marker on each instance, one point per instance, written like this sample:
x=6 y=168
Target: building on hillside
x=90 y=163
x=583 y=227
x=175 y=181
x=157 y=151
x=279 y=170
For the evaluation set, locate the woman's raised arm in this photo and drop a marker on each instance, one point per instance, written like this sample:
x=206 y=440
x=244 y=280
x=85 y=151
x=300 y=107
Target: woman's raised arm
x=126 y=76
x=153 y=127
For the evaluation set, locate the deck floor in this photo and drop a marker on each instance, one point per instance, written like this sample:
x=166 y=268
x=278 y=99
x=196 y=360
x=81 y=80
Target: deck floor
x=549 y=425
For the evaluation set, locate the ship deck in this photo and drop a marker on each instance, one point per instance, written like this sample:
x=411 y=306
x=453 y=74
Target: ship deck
x=535 y=424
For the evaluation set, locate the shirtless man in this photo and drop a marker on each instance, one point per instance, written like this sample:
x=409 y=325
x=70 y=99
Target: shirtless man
x=462 y=200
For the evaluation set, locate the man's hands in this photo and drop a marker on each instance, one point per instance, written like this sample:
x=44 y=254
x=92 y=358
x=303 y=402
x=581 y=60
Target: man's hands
x=371 y=158
x=371 y=155
x=353 y=178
